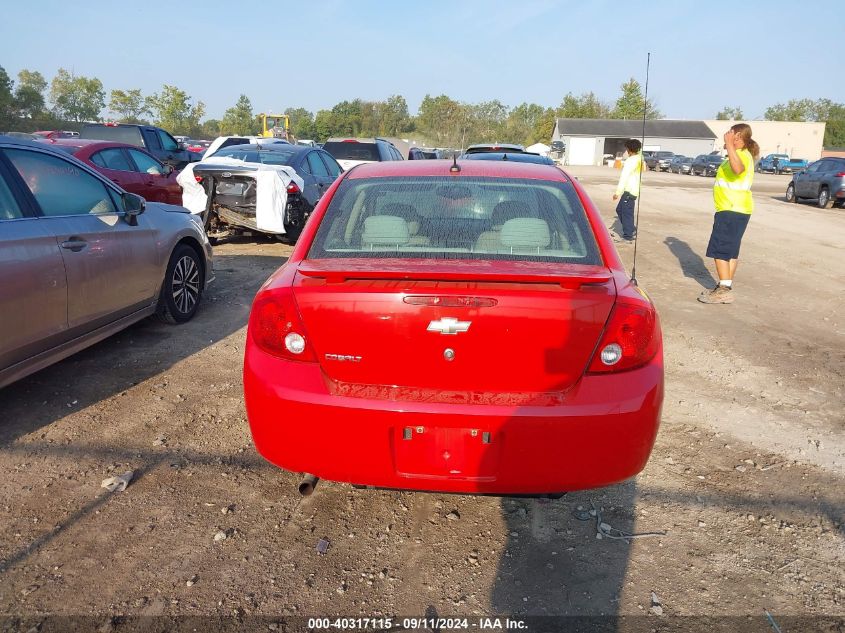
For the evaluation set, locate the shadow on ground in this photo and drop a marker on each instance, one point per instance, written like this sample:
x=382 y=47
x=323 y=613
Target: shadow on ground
x=136 y=354
x=691 y=263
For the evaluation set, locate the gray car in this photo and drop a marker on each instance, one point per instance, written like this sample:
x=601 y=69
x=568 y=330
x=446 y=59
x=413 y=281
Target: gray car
x=81 y=259
x=823 y=181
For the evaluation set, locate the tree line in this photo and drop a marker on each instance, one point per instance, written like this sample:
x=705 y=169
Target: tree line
x=31 y=103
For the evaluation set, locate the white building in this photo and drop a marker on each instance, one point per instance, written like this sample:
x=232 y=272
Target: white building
x=589 y=141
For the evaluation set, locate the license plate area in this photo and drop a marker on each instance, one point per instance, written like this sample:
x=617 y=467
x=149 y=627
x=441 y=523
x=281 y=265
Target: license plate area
x=470 y=454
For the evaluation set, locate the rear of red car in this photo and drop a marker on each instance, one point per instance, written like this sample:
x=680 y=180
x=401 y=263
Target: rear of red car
x=468 y=331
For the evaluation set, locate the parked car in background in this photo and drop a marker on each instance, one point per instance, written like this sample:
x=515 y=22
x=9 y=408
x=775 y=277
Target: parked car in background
x=415 y=153
x=81 y=259
x=350 y=152
x=659 y=160
x=480 y=148
x=132 y=168
x=823 y=181
x=780 y=164
x=705 y=165
x=156 y=141
x=680 y=164
x=519 y=157
x=56 y=133
x=411 y=289
x=197 y=146
x=233 y=189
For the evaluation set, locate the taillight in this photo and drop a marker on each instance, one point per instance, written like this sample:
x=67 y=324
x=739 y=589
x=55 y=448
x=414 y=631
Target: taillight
x=293 y=188
x=841 y=174
x=198 y=178
x=276 y=327
x=630 y=339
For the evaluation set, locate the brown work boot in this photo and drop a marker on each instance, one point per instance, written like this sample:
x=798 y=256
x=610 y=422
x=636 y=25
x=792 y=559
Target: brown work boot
x=719 y=294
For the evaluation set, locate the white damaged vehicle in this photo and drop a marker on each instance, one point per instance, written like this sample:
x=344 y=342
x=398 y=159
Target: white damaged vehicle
x=268 y=188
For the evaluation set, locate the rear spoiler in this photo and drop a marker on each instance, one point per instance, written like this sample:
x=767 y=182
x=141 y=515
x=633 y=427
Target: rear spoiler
x=567 y=276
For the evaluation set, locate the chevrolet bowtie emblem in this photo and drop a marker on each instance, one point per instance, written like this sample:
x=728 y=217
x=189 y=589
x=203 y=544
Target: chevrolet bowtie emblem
x=448 y=325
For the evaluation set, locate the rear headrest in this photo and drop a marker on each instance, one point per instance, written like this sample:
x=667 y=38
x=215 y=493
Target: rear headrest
x=400 y=210
x=381 y=230
x=526 y=233
x=508 y=210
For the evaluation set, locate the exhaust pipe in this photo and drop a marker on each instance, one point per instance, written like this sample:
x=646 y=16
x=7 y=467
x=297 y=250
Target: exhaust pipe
x=307 y=485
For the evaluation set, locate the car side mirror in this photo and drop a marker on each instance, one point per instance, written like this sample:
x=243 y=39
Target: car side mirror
x=168 y=169
x=133 y=206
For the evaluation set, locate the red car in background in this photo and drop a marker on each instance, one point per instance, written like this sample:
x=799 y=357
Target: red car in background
x=462 y=328
x=132 y=168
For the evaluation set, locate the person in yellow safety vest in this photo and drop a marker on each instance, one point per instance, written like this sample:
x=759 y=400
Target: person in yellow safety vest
x=629 y=188
x=732 y=197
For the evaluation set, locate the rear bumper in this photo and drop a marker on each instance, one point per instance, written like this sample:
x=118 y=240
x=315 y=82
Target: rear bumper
x=602 y=434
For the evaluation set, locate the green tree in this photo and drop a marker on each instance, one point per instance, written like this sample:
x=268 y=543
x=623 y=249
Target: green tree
x=210 y=129
x=730 y=114
x=544 y=127
x=794 y=110
x=820 y=110
x=587 y=106
x=521 y=123
x=323 y=125
x=395 y=118
x=487 y=121
x=239 y=119
x=77 y=98
x=302 y=123
x=346 y=118
x=444 y=120
x=630 y=103
x=174 y=112
x=7 y=99
x=29 y=95
x=129 y=105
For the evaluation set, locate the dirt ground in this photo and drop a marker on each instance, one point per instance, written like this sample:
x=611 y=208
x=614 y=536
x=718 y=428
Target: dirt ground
x=746 y=478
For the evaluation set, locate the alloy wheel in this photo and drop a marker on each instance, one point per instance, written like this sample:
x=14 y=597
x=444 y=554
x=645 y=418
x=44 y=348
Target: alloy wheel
x=185 y=284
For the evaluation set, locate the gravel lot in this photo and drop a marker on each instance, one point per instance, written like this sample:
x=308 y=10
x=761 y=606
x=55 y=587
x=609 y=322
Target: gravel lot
x=746 y=478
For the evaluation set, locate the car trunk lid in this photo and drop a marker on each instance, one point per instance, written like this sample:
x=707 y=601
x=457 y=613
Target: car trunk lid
x=464 y=331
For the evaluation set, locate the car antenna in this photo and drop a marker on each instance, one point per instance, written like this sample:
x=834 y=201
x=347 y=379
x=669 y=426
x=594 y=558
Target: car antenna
x=642 y=164
x=455 y=168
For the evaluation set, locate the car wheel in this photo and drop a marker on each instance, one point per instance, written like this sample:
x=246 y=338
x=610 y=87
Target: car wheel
x=790 y=193
x=824 y=201
x=182 y=287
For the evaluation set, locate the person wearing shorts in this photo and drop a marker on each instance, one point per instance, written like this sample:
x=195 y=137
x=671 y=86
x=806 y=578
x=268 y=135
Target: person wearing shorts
x=733 y=202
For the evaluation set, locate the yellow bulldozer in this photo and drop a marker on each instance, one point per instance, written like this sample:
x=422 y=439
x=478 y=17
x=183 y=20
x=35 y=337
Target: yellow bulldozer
x=275 y=126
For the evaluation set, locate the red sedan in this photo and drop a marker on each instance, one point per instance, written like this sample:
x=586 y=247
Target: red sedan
x=134 y=169
x=463 y=328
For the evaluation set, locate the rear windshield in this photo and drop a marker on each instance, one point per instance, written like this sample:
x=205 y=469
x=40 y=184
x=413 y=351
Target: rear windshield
x=476 y=218
x=266 y=157
x=352 y=151
x=128 y=135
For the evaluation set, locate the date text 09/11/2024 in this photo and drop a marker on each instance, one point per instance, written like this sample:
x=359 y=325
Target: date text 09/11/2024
x=410 y=624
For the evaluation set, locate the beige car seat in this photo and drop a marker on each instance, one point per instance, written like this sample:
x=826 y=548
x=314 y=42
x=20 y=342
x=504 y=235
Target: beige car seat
x=502 y=212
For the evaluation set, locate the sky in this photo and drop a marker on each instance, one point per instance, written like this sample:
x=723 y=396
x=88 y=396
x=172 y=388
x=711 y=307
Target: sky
x=704 y=55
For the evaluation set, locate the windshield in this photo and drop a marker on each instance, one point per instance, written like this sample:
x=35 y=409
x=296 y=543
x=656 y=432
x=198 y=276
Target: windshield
x=265 y=157
x=118 y=134
x=520 y=158
x=343 y=150
x=475 y=219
